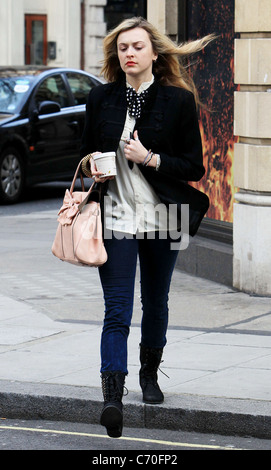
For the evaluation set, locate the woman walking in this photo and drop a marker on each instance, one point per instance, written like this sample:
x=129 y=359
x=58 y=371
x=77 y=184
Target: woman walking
x=147 y=114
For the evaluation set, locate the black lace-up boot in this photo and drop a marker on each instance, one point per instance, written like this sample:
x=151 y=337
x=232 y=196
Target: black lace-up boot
x=150 y=359
x=112 y=417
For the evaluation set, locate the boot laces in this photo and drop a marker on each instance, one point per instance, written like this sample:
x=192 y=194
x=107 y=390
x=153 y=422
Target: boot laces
x=113 y=389
x=163 y=371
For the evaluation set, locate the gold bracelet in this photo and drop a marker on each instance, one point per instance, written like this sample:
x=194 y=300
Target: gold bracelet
x=86 y=165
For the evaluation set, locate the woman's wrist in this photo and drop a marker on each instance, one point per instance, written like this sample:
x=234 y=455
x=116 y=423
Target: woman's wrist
x=147 y=158
x=152 y=160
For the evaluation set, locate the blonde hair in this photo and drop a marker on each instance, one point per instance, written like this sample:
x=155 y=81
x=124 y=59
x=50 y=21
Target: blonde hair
x=169 y=68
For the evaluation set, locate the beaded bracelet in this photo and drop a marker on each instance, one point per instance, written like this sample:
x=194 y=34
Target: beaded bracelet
x=86 y=165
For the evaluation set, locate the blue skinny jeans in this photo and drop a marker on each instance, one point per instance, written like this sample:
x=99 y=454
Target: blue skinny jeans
x=156 y=262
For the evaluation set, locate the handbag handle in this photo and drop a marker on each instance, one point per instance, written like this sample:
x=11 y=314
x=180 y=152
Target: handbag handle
x=75 y=178
x=83 y=203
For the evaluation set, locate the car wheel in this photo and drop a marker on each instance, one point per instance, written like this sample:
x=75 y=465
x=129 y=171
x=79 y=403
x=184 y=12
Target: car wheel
x=11 y=176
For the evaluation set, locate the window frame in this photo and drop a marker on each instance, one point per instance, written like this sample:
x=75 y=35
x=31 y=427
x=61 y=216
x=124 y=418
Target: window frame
x=28 y=37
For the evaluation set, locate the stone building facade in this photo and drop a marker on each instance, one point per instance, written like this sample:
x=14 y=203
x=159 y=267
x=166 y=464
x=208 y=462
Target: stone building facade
x=40 y=31
x=94 y=30
x=252 y=154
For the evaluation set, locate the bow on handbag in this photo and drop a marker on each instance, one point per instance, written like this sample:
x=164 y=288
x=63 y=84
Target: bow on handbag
x=69 y=208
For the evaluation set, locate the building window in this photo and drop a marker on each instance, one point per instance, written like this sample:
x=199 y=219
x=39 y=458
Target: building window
x=119 y=10
x=36 y=39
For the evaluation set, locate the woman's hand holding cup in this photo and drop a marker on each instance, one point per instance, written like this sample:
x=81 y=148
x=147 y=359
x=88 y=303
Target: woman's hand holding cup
x=98 y=175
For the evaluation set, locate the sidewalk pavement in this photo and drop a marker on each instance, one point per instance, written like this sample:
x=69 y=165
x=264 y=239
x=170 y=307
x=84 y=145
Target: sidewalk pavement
x=217 y=359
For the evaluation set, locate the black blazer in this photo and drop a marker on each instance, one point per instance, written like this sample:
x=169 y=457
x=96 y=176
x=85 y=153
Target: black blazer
x=168 y=126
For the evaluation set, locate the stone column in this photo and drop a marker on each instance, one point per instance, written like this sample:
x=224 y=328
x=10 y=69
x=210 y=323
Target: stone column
x=95 y=31
x=156 y=14
x=252 y=154
x=164 y=15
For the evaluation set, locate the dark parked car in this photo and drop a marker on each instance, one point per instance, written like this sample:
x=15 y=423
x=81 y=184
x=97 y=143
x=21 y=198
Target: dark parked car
x=42 y=112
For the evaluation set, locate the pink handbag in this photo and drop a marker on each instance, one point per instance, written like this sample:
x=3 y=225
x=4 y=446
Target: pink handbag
x=79 y=235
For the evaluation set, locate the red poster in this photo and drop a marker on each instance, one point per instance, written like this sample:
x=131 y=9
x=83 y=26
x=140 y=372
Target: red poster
x=213 y=73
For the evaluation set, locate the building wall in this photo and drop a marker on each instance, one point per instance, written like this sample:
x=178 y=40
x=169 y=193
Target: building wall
x=11 y=32
x=63 y=27
x=164 y=15
x=94 y=32
x=252 y=170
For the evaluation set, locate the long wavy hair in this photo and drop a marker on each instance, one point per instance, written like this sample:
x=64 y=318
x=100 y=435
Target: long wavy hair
x=170 y=68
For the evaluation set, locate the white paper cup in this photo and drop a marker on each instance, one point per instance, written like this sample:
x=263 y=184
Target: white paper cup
x=106 y=163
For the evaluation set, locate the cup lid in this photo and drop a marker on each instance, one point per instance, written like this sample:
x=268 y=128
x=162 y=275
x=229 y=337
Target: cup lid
x=103 y=155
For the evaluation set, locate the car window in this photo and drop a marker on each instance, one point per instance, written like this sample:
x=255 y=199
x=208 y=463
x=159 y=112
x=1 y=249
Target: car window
x=80 y=86
x=12 y=92
x=52 y=89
